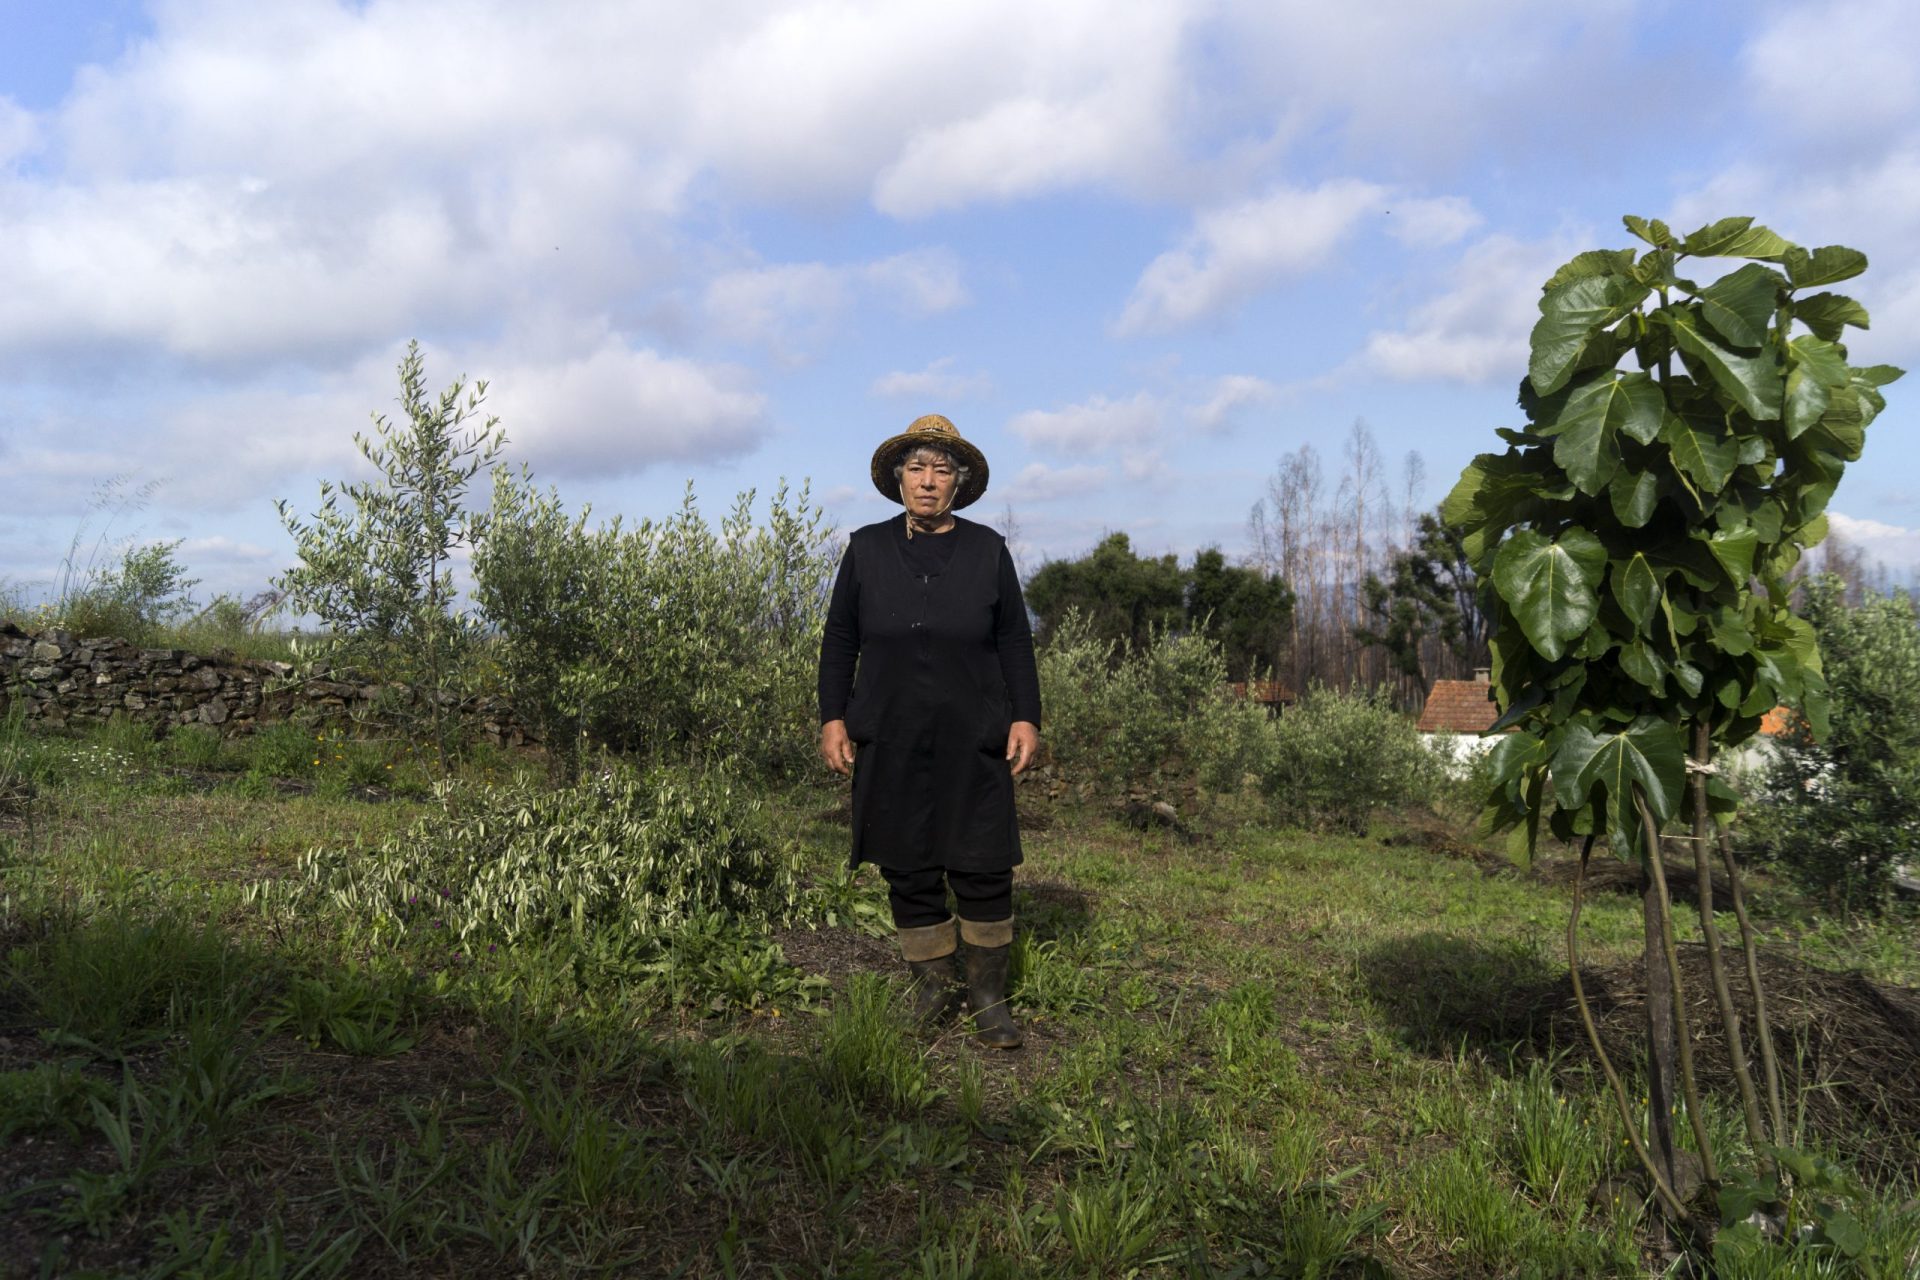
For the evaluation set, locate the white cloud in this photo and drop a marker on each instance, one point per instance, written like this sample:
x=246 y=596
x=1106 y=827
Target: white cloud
x=1837 y=71
x=1872 y=204
x=1475 y=329
x=1096 y=424
x=938 y=381
x=1432 y=222
x=618 y=411
x=1038 y=482
x=919 y=282
x=793 y=306
x=1228 y=397
x=1895 y=545
x=19 y=131
x=1237 y=251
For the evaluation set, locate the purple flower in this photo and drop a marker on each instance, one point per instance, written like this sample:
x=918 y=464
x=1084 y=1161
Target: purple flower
x=491 y=948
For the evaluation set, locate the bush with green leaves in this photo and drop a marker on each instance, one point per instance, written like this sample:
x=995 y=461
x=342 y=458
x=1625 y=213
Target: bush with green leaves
x=136 y=599
x=1635 y=539
x=378 y=571
x=1337 y=758
x=637 y=854
x=1838 y=814
x=672 y=639
x=1149 y=719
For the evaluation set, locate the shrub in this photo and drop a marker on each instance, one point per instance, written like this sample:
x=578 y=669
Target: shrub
x=639 y=854
x=135 y=600
x=1840 y=814
x=673 y=639
x=1336 y=758
x=1149 y=719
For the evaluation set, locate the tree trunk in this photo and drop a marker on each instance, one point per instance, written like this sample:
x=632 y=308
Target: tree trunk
x=1662 y=1078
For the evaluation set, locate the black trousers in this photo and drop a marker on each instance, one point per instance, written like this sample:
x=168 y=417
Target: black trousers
x=919 y=898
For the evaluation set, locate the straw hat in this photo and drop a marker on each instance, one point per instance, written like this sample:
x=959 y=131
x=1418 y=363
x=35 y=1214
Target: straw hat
x=941 y=434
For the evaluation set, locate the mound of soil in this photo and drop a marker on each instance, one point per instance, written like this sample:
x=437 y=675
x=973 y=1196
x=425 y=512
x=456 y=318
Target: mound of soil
x=1848 y=1047
x=1615 y=875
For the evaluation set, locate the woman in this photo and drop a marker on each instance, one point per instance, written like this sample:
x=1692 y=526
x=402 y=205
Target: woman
x=942 y=710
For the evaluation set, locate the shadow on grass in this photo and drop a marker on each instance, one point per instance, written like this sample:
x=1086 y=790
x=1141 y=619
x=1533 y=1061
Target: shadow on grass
x=1444 y=993
x=1050 y=910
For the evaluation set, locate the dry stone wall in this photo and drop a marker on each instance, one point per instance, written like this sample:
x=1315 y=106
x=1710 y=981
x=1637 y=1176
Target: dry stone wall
x=60 y=680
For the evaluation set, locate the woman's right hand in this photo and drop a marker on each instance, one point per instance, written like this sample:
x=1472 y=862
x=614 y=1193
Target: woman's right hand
x=835 y=747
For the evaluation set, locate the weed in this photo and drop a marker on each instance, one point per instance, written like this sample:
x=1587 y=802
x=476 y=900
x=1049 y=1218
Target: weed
x=50 y=1095
x=195 y=747
x=351 y=1009
x=866 y=1053
x=1554 y=1145
x=283 y=749
x=114 y=979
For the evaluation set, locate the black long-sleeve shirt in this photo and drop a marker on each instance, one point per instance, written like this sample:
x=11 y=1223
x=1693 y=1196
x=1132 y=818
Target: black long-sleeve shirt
x=927 y=556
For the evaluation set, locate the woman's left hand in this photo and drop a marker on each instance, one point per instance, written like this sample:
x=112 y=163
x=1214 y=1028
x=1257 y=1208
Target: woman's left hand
x=1023 y=740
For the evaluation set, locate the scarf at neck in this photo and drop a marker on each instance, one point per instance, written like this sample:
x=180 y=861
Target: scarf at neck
x=932 y=523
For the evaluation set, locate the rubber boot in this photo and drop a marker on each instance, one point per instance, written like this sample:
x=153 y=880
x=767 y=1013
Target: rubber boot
x=989 y=951
x=929 y=954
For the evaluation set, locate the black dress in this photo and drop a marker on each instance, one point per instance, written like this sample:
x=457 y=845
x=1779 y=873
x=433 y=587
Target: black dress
x=928 y=657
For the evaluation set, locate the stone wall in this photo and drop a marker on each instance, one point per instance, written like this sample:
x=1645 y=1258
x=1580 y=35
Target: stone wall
x=63 y=680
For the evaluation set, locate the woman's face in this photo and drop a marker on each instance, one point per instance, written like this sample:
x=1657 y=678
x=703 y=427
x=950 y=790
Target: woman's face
x=927 y=479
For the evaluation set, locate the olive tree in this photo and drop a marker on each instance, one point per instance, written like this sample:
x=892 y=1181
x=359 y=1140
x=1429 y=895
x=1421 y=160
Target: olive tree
x=377 y=570
x=1685 y=431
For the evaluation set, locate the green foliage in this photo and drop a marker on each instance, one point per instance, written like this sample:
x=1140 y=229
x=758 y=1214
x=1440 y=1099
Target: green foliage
x=1623 y=530
x=135 y=599
x=867 y=1053
x=1831 y=1225
x=636 y=854
x=1430 y=595
x=1337 y=758
x=49 y=1095
x=1840 y=814
x=1122 y=598
x=119 y=976
x=1246 y=612
x=673 y=639
x=1128 y=600
x=378 y=572
x=352 y=1009
x=1142 y=719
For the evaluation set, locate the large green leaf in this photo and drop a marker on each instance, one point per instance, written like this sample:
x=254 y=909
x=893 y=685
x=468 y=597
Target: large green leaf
x=1644 y=667
x=1653 y=231
x=1549 y=585
x=1593 y=262
x=1754 y=382
x=1734 y=549
x=1574 y=315
x=1825 y=361
x=1825 y=265
x=1827 y=313
x=1633 y=494
x=1806 y=400
x=1703 y=450
x=1740 y=304
x=1589 y=417
x=1647 y=753
x=1735 y=238
x=1636 y=588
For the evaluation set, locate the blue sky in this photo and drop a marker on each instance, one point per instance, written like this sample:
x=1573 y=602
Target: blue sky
x=1137 y=251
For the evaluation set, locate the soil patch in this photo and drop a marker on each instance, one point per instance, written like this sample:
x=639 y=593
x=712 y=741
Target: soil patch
x=1848 y=1047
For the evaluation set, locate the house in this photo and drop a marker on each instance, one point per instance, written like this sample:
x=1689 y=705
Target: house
x=1274 y=695
x=1457 y=715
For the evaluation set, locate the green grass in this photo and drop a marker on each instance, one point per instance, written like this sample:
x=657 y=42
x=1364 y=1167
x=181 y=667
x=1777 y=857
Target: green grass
x=1266 y=1054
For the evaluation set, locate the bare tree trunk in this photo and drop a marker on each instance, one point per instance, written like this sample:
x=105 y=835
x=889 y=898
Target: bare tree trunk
x=1662 y=1091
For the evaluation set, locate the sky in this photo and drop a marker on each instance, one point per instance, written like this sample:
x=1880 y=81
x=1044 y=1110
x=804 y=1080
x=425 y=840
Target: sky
x=1136 y=252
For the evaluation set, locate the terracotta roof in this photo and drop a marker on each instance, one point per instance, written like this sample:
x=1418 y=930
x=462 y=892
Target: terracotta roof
x=1267 y=691
x=1459 y=706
